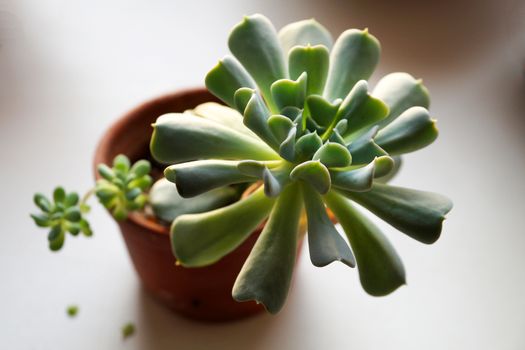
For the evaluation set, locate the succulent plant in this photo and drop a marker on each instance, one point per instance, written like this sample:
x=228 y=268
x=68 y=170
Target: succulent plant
x=63 y=213
x=121 y=190
x=302 y=122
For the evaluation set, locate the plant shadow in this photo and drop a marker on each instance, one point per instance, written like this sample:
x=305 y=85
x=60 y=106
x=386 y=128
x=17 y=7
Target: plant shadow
x=162 y=329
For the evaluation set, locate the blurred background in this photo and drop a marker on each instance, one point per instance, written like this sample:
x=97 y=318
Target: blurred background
x=69 y=69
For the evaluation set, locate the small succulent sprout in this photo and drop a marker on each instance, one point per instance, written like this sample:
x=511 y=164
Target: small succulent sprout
x=320 y=139
x=121 y=188
x=62 y=213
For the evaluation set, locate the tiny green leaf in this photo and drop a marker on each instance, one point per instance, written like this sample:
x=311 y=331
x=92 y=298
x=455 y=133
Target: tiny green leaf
x=59 y=195
x=42 y=202
x=41 y=220
x=121 y=163
x=141 y=168
x=106 y=172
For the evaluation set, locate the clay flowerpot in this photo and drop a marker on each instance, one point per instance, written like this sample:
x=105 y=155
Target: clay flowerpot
x=199 y=293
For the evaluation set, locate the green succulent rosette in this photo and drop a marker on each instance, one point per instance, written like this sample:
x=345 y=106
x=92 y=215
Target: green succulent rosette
x=304 y=123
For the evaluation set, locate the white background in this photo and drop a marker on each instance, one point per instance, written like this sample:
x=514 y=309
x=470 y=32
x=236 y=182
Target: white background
x=68 y=69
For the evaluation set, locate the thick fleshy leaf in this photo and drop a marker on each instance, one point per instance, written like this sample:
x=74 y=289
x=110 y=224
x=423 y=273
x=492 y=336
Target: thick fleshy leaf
x=287 y=147
x=307 y=145
x=333 y=154
x=289 y=93
x=182 y=137
x=194 y=178
x=223 y=115
x=227 y=77
x=272 y=187
x=280 y=126
x=167 y=204
x=353 y=58
x=242 y=97
x=322 y=111
x=416 y=213
x=314 y=173
x=380 y=268
x=202 y=239
x=255 y=44
x=360 y=109
x=312 y=60
x=412 y=130
x=267 y=273
x=304 y=33
x=256 y=117
x=325 y=243
x=363 y=149
x=384 y=178
x=360 y=179
x=400 y=91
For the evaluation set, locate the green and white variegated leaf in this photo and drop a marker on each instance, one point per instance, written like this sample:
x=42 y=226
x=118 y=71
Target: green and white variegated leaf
x=314 y=173
x=194 y=178
x=380 y=268
x=267 y=273
x=315 y=61
x=167 y=204
x=227 y=77
x=354 y=57
x=325 y=243
x=416 y=213
x=255 y=44
x=400 y=91
x=289 y=93
x=202 y=239
x=304 y=33
x=364 y=149
x=223 y=115
x=411 y=131
x=181 y=137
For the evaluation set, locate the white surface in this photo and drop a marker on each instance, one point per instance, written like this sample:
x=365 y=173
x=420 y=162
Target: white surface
x=68 y=69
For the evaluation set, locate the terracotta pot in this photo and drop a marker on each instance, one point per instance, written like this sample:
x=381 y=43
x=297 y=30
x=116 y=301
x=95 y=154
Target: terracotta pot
x=198 y=293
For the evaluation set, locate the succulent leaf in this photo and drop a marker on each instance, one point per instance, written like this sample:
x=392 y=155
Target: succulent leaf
x=314 y=61
x=202 y=239
x=321 y=111
x=400 y=91
x=255 y=44
x=256 y=116
x=303 y=33
x=226 y=78
x=289 y=93
x=364 y=149
x=354 y=57
x=167 y=204
x=197 y=177
x=181 y=137
x=314 y=173
x=280 y=126
x=307 y=145
x=333 y=155
x=222 y=115
x=380 y=268
x=411 y=131
x=324 y=242
x=266 y=274
x=416 y=213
